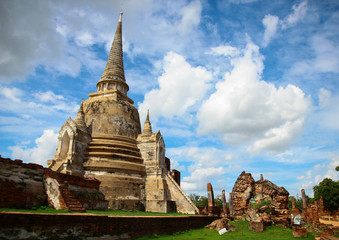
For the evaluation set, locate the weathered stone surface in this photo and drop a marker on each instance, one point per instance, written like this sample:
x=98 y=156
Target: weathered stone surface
x=242 y=193
x=73 y=192
x=224 y=204
x=220 y=224
x=256 y=225
x=21 y=184
x=245 y=189
x=251 y=215
x=299 y=231
x=80 y=226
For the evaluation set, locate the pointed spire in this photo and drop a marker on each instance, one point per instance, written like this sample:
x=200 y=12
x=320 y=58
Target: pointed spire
x=115 y=66
x=80 y=118
x=147 y=130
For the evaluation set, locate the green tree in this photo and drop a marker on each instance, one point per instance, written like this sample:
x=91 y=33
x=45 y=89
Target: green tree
x=329 y=190
x=337 y=168
x=218 y=201
x=198 y=200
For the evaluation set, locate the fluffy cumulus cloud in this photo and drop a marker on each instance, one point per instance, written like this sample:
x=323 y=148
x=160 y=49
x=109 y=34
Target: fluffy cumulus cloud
x=204 y=164
x=199 y=177
x=246 y=109
x=43 y=151
x=180 y=87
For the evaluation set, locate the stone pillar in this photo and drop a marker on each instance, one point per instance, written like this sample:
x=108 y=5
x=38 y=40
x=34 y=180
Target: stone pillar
x=304 y=198
x=321 y=205
x=210 y=195
x=293 y=204
x=261 y=177
x=175 y=174
x=224 y=204
x=230 y=203
x=305 y=212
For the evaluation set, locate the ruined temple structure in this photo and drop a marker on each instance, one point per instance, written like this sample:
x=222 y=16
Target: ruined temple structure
x=247 y=190
x=105 y=142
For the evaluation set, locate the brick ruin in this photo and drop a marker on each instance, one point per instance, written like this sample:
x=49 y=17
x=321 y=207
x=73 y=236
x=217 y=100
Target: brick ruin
x=311 y=213
x=28 y=185
x=270 y=200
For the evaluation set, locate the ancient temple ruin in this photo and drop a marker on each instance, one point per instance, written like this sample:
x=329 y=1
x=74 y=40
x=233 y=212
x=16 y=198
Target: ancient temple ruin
x=246 y=191
x=105 y=142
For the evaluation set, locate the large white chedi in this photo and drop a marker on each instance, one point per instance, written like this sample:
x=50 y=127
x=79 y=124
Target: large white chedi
x=105 y=142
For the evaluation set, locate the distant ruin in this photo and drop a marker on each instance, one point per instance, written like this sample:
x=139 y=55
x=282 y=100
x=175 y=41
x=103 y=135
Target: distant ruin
x=270 y=201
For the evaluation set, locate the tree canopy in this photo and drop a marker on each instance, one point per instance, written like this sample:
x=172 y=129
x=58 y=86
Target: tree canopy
x=329 y=190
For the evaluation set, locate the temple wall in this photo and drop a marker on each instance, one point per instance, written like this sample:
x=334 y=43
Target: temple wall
x=21 y=184
x=61 y=226
x=30 y=185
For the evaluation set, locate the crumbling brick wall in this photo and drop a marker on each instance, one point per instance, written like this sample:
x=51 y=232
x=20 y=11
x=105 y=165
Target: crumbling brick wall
x=245 y=189
x=21 y=184
x=242 y=193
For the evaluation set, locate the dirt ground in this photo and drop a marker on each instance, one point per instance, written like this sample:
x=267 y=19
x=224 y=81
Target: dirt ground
x=329 y=221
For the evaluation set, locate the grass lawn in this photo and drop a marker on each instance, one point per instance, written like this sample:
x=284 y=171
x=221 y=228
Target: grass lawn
x=242 y=233
x=47 y=209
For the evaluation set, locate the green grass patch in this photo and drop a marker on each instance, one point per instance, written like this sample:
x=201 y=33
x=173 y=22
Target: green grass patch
x=42 y=209
x=242 y=233
x=50 y=210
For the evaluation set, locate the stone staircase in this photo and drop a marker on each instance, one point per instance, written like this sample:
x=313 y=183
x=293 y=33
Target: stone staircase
x=70 y=200
x=178 y=195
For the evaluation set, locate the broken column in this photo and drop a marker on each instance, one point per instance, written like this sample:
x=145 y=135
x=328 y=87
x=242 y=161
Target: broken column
x=230 y=203
x=210 y=196
x=303 y=195
x=293 y=204
x=224 y=204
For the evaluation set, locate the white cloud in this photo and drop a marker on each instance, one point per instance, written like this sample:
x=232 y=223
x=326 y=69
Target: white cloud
x=299 y=12
x=328 y=111
x=180 y=87
x=34 y=104
x=225 y=50
x=324 y=98
x=271 y=24
x=319 y=172
x=48 y=96
x=245 y=109
x=44 y=150
x=200 y=177
x=13 y=94
x=190 y=17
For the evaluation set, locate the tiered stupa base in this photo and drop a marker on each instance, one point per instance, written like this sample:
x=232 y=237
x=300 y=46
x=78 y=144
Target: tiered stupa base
x=117 y=163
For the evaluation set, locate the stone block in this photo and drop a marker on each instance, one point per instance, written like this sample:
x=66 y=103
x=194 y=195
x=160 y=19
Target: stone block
x=299 y=231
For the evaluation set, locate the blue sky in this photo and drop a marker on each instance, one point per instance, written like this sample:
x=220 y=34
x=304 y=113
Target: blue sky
x=232 y=85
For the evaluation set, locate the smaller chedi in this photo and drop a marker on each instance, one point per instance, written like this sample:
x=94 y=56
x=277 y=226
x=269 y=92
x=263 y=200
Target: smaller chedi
x=105 y=142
